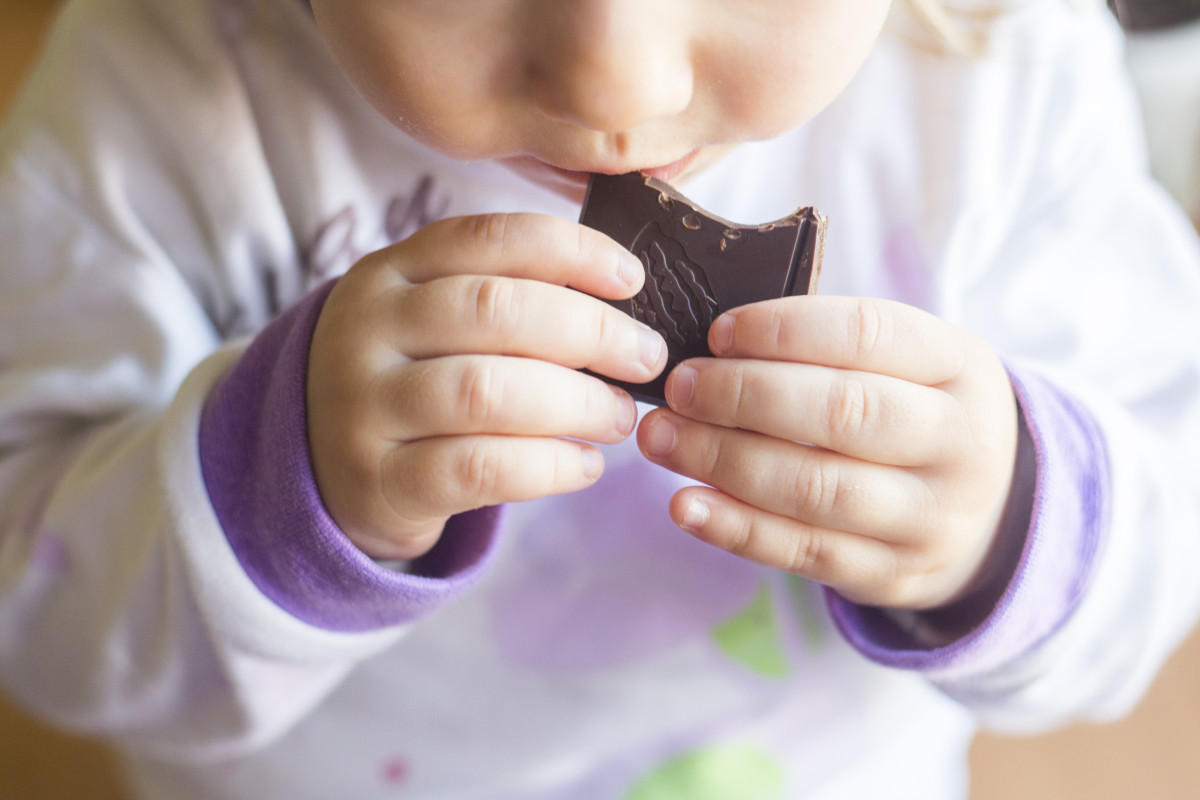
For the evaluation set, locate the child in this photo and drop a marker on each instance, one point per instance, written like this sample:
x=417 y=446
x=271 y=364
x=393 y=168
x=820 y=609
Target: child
x=282 y=534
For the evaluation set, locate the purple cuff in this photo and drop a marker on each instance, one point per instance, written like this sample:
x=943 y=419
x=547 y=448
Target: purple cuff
x=1063 y=457
x=254 y=456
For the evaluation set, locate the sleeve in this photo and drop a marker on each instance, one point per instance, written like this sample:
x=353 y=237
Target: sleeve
x=1048 y=542
x=135 y=603
x=1086 y=277
x=254 y=457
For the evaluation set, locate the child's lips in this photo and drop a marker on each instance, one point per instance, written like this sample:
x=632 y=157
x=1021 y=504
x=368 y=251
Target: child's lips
x=572 y=182
x=668 y=172
x=664 y=172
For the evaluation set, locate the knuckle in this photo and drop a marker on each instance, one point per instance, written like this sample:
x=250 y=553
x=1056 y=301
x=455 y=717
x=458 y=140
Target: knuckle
x=489 y=230
x=481 y=469
x=806 y=554
x=493 y=303
x=868 y=329
x=817 y=491
x=479 y=393
x=849 y=411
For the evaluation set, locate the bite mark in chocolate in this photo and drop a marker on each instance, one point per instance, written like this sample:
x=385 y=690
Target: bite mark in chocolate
x=697 y=264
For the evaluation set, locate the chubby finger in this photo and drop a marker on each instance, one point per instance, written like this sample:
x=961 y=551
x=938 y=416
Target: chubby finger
x=513 y=396
x=859 y=414
x=534 y=246
x=858 y=567
x=800 y=482
x=866 y=334
x=512 y=316
x=437 y=477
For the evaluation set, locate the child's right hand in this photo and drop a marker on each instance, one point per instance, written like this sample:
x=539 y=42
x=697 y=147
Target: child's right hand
x=443 y=374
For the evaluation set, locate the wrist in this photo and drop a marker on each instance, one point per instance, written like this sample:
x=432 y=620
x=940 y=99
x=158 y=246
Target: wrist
x=975 y=603
x=255 y=460
x=1056 y=553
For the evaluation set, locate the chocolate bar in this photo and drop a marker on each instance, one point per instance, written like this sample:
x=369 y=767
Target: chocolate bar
x=697 y=265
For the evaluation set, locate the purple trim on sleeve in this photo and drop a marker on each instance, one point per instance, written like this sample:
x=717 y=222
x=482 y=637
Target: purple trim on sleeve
x=1068 y=520
x=254 y=456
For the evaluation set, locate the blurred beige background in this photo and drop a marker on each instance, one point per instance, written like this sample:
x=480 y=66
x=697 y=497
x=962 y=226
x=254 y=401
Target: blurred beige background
x=1153 y=754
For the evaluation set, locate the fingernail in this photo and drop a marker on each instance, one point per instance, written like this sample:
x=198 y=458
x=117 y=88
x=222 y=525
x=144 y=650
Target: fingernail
x=660 y=438
x=721 y=334
x=593 y=462
x=626 y=412
x=650 y=348
x=695 y=515
x=682 y=386
x=629 y=268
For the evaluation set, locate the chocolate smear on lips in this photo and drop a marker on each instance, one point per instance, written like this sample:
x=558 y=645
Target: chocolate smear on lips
x=697 y=264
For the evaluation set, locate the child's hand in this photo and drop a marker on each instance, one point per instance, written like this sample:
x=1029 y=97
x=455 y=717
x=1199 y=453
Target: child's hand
x=911 y=429
x=443 y=372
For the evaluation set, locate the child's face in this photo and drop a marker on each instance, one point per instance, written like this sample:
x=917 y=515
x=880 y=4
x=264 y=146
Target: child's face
x=560 y=88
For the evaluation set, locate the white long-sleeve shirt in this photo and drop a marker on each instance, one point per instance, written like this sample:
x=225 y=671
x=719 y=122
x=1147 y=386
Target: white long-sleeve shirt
x=178 y=175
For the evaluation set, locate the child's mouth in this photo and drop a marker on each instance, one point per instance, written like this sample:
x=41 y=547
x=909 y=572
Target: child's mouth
x=664 y=172
x=573 y=182
x=668 y=172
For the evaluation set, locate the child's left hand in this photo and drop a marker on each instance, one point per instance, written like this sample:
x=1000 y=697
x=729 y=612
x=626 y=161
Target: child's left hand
x=862 y=443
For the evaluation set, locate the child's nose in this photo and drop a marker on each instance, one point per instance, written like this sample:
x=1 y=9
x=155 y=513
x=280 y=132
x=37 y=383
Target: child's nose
x=612 y=65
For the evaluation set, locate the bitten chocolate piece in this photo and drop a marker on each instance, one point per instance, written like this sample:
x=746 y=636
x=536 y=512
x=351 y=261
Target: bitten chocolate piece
x=698 y=265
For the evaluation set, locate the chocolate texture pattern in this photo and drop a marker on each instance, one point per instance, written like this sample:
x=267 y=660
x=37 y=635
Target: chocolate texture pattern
x=697 y=264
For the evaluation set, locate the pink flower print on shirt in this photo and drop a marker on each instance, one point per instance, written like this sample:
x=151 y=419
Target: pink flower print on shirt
x=395 y=771
x=603 y=578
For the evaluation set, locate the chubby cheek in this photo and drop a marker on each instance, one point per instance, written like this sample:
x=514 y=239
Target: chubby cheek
x=766 y=109
x=451 y=120
x=416 y=83
x=797 y=68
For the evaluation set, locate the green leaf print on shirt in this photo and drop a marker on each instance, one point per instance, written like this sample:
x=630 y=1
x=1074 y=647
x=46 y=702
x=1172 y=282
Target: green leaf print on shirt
x=752 y=637
x=804 y=608
x=715 y=773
